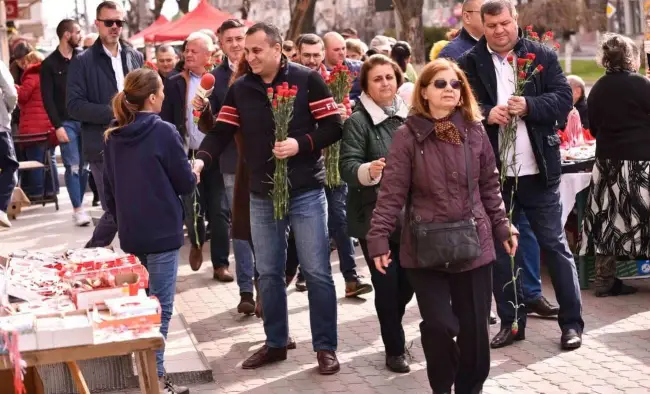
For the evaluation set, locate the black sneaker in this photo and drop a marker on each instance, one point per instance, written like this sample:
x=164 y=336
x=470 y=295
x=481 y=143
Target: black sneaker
x=167 y=387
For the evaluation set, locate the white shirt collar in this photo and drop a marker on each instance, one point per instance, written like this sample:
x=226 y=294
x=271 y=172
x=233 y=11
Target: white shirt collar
x=119 y=49
x=233 y=66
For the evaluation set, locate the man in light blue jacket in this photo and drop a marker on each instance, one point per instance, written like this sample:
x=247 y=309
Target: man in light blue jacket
x=8 y=163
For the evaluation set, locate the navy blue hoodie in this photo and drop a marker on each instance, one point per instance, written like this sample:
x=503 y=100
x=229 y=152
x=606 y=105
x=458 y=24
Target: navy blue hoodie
x=145 y=171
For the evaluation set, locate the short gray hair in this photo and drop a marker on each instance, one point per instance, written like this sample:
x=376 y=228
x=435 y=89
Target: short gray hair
x=165 y=48
x=207 y=40
x=577 y=82
x=496 y=7
x=618 y=53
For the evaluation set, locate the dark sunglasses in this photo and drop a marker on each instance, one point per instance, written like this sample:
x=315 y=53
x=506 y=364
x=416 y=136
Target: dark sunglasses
x=441 y=84
x=111 y=22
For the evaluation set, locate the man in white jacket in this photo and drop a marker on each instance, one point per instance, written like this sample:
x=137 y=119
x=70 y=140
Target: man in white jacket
x=8 y=163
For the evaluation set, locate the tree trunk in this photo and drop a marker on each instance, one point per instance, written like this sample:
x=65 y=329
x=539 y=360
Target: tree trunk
x=308 y=22
x=133 y=17
x=157 y=8
x=298 y=16
x=410 y=17
x=183 y=6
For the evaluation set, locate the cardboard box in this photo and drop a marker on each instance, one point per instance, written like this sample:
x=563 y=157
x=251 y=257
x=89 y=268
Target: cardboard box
x=64 y=330
x=128 y=285
x=132 y=312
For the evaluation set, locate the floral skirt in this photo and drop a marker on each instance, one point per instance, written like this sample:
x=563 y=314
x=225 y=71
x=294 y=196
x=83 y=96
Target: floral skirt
x=617 y=217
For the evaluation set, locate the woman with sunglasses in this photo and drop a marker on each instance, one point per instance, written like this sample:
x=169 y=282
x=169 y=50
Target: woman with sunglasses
x=367 y=135
x=441 y=166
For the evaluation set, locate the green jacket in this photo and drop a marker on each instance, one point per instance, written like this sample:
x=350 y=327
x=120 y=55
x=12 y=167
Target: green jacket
x=367 y=135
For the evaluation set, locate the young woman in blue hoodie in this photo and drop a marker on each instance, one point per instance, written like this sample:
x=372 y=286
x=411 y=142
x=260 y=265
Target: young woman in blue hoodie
x=146 y=170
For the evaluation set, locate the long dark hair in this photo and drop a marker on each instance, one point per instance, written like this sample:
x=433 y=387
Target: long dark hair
x=401 y=53
x=138 y=86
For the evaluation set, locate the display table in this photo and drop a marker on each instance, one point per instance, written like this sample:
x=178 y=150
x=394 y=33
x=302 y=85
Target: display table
x=143 y=349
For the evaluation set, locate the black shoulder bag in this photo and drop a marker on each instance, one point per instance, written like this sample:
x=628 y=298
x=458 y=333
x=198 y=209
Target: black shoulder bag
x=441 y=245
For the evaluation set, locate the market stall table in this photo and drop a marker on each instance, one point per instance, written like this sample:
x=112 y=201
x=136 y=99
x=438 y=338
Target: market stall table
x=142 y=348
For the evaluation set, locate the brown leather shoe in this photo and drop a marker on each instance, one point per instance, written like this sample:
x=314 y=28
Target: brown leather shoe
x=266 y=355
x=196 y=257
x=328 y=364
x=223 y=275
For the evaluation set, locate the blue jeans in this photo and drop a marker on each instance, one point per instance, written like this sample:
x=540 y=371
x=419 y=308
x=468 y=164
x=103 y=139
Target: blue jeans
x=244 y=259
x=33 y=181
x=8 y=169
x=308 y=219
x=162 y=268
x=76 y=175
x=542 y=206
x=531 y=277
x=337 y=225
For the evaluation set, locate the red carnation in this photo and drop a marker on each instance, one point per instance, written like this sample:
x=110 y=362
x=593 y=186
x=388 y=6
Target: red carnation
x=269 y=91
x=509 y=58
x=556 y=45
x=549 y=35
x=522 y=75
x=530 y=56
x=275 y=103
x=285 y=85
x=529 y=28
x=534 y=36
x=522 y=62
x=294 y=91
x=539 y=68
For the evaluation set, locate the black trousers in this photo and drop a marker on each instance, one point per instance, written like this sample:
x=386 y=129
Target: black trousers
x=392 y=292
x=465 y=361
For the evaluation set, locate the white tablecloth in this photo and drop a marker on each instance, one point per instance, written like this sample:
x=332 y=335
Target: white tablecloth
x=570 y=185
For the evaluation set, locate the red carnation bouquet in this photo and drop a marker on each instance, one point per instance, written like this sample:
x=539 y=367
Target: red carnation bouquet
x=524 y=71
x=340 y=83
x=282 y=106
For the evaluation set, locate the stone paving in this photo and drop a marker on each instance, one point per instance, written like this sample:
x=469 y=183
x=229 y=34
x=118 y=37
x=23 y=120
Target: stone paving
x=615 y=356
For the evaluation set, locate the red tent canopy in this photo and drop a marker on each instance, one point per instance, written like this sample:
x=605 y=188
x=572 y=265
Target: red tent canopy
x=138 y=38
x=204 y=16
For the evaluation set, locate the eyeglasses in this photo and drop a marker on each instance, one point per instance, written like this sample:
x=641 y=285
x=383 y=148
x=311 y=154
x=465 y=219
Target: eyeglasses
x=111 y=22
x=441 y=84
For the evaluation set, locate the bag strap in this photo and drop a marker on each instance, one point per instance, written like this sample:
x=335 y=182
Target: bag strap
x=468 y=169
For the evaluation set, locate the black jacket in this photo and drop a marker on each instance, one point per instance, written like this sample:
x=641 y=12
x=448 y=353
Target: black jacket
x=619 y=115
x=91 y=86
x=174 y=108
x=548 y=97
x=316 y=124
x=54 y=73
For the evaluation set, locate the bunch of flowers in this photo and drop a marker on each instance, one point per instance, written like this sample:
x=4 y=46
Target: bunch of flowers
x=282 y=106
x=524 y=71
x=340 y=83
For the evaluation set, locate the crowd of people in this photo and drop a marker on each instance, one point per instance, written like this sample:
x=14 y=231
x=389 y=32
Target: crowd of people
x=420 y=154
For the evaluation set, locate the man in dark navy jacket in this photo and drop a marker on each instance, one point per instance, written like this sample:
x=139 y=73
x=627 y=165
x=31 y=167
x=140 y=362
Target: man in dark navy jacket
x=316 y=124
x=528 y=247
x=470 y=33
x=546 y=98
x=95 y=76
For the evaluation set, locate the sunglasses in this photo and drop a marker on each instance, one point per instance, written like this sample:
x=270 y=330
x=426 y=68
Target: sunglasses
x=441 y=84
x=111 y=22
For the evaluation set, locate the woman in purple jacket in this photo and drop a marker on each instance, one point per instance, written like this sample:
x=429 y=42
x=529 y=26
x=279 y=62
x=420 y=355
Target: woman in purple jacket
x=426 y=171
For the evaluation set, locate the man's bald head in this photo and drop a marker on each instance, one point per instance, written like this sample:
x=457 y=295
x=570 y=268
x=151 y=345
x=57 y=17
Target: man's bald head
x=472 y=17
x=334 y=48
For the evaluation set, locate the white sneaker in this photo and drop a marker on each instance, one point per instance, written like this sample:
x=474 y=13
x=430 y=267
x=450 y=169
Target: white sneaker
x=4 y=220
x=81 y=218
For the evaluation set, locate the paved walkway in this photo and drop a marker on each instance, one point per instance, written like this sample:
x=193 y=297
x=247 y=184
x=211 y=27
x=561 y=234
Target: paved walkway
x=615 y=357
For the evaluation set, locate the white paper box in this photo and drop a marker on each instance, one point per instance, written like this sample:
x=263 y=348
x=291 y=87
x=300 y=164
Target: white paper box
x=69 y=330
